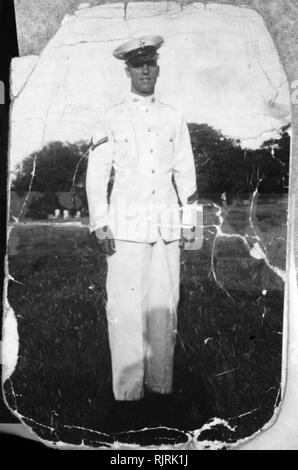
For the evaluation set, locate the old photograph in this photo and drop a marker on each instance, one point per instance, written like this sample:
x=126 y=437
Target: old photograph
x=148 y=222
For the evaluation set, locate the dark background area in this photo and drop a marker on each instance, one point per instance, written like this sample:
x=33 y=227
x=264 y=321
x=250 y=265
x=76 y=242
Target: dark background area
x=8 y=50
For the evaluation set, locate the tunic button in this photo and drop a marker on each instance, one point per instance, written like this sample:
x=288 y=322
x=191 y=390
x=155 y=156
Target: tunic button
x=149 y=130
x=152 y=171
x=151 y=150
x=153 y=192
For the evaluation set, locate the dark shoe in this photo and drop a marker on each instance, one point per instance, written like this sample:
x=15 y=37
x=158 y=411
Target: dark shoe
x=159 y=408
x=125 y=416
x=175 y=411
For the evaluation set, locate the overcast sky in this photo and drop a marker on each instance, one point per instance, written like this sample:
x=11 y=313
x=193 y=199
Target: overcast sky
x=218 y=65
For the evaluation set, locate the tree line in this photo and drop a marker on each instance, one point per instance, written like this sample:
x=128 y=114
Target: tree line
x=222 y=167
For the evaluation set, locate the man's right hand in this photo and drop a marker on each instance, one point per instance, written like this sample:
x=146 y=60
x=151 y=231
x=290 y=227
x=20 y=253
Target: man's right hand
x=105 y=240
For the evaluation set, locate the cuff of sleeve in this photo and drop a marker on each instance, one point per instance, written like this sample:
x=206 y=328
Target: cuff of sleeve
x=99 y=222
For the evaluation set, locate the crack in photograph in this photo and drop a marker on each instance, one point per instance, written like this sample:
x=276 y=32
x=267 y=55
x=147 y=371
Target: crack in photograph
x=147 y=235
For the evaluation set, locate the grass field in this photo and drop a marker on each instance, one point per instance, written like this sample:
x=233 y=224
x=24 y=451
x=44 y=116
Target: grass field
x=228 y=354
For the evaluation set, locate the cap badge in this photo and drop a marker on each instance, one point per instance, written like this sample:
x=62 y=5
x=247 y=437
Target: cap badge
x=142 y=43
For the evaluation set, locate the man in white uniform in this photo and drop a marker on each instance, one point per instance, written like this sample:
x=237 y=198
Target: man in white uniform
x=148 y=145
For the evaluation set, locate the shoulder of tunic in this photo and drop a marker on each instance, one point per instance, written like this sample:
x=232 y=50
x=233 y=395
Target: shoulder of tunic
x=175 y=113
x=109 y=116
x=114 y=114
x=115 y=108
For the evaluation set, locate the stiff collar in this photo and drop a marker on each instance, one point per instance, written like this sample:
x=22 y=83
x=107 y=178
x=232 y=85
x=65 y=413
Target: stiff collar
x=139 y=101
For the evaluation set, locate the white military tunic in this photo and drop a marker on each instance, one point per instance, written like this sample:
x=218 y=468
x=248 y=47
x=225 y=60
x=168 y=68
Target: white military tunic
x=147 y=144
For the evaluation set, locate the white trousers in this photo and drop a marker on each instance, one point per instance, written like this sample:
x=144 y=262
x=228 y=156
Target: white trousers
x=143 y=294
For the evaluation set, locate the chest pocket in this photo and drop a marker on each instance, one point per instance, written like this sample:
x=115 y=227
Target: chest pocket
x=164 y=138
x=124 y=147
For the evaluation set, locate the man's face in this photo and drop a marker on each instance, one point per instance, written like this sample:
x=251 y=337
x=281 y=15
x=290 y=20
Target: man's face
x=143 y=77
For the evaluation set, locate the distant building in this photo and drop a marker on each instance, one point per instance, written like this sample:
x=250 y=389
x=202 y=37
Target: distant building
x=41 y=206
